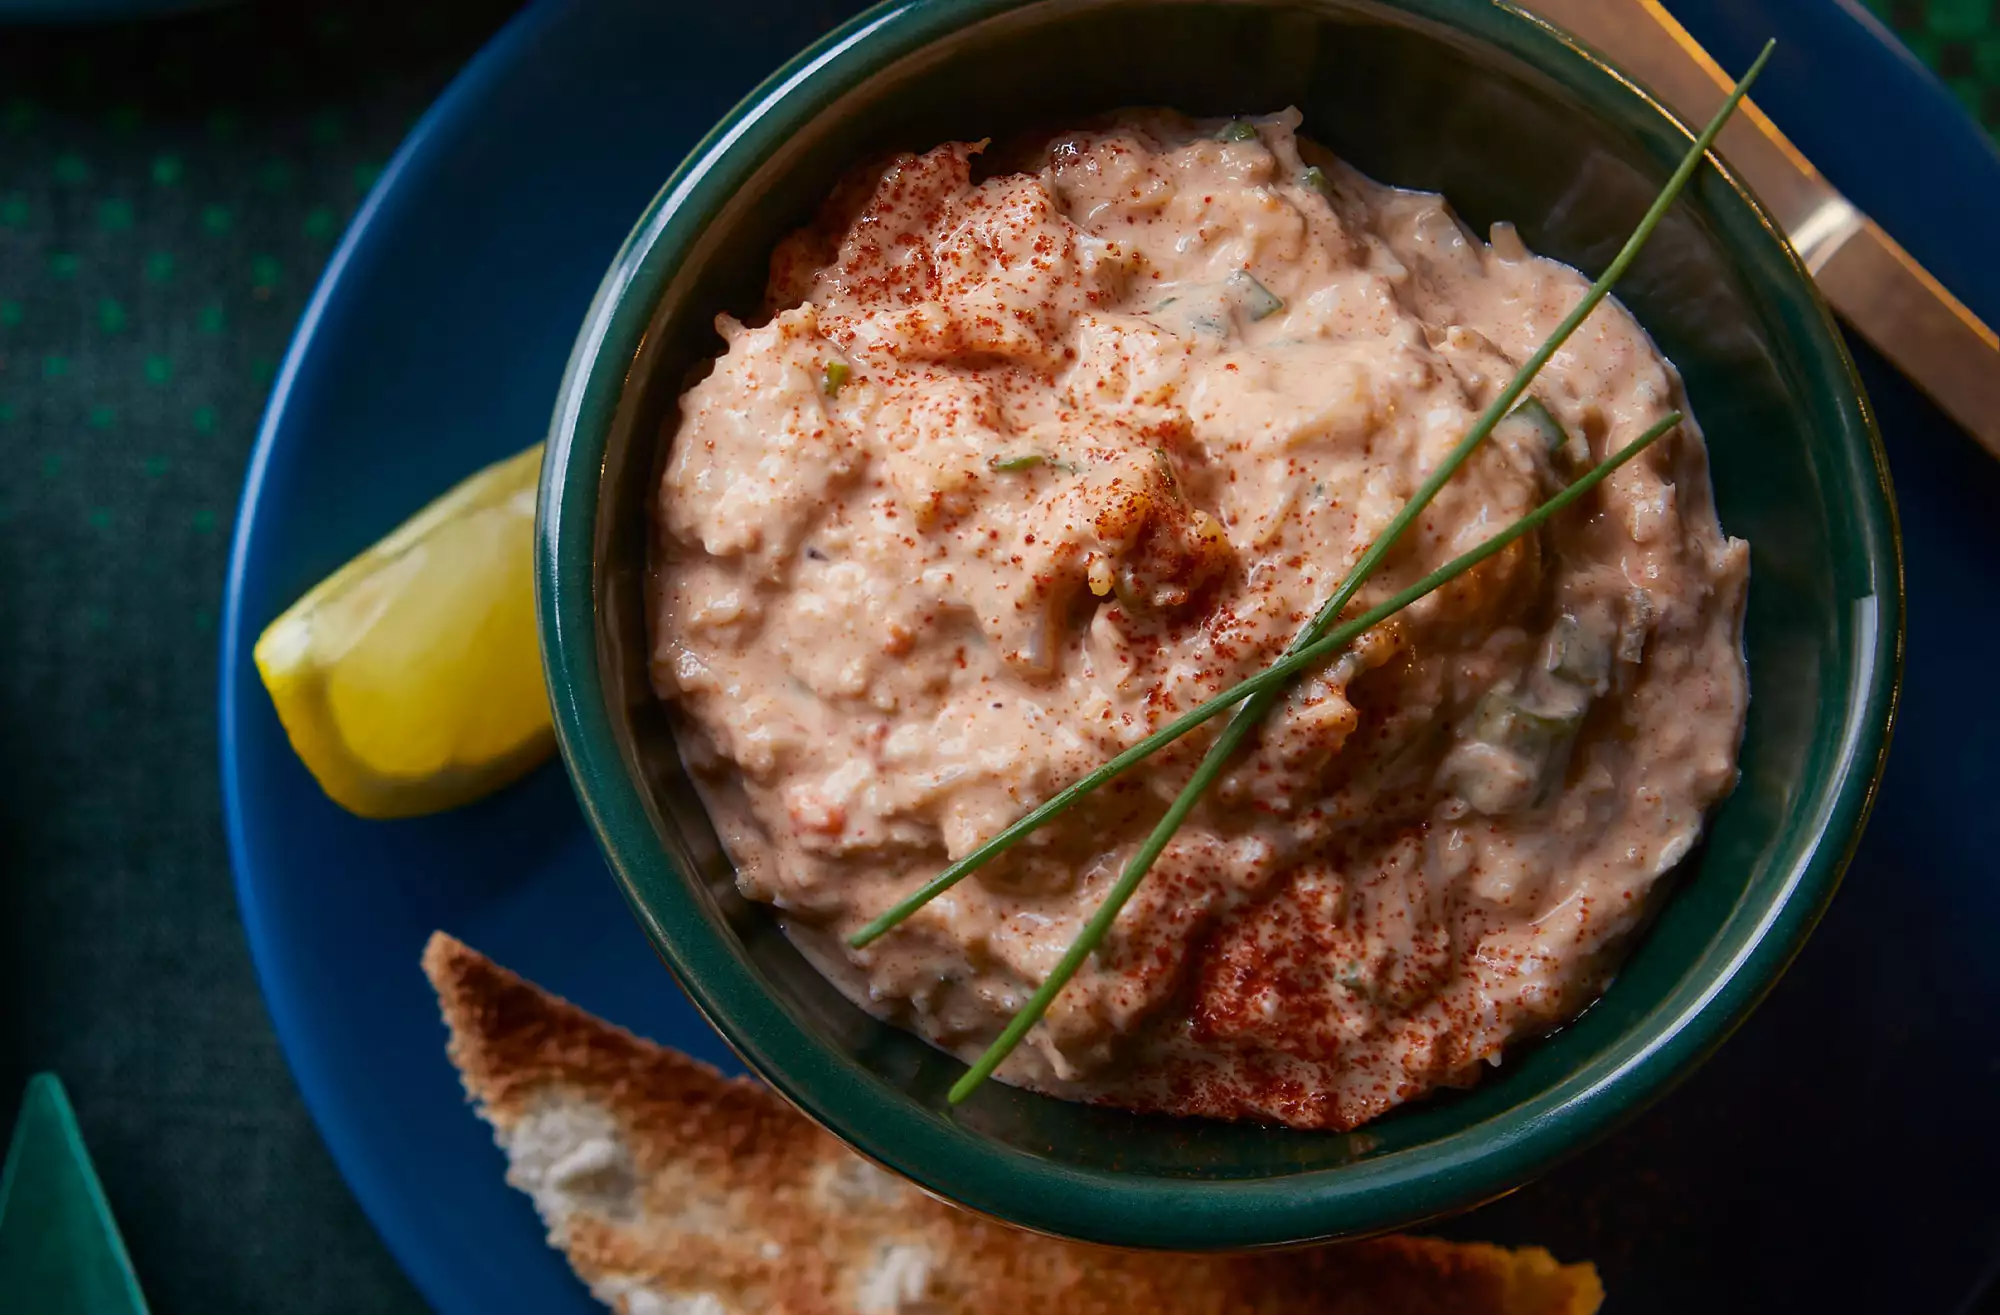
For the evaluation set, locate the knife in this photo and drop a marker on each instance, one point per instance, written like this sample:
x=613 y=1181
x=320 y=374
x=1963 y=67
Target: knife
x=1873 y=283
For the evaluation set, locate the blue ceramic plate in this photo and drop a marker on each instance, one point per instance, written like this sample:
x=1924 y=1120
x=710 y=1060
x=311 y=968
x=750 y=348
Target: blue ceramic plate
x=1853 y=1115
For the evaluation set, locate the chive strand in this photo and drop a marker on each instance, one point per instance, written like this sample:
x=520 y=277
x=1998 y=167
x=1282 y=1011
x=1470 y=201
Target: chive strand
x=1267 y=681
x=1066 y=798
x=1253 y=709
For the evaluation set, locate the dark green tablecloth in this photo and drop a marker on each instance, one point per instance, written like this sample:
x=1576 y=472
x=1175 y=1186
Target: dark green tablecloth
x=1960 y=40
x=168 y=195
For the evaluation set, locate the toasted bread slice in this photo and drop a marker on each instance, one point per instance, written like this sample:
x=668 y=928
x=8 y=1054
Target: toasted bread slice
x=676 y=1191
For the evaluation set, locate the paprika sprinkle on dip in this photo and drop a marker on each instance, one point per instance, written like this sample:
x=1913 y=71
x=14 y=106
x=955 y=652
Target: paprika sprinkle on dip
x=1029 y=457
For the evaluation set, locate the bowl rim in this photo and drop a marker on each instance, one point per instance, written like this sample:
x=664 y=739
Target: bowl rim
x=924 y=1145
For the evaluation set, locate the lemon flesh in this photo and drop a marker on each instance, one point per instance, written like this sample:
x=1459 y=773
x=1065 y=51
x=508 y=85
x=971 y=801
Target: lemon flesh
x=410 y=680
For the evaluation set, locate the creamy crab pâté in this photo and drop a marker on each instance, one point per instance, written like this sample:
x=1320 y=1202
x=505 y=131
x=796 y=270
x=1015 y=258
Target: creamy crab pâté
x=1024 y=462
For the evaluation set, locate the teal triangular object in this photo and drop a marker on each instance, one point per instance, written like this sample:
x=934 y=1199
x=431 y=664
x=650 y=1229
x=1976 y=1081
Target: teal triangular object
x=60 y=1253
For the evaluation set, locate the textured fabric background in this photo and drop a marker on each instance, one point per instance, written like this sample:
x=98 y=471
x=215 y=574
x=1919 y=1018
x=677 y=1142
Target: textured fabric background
x=168 y=195
x=1960 y=40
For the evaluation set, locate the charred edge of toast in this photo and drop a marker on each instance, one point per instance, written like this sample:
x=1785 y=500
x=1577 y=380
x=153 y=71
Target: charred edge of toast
x=515 y=1044
x=511 y=1040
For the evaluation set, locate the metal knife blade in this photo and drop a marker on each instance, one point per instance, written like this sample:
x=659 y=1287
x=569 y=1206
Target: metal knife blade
x=1875 y=285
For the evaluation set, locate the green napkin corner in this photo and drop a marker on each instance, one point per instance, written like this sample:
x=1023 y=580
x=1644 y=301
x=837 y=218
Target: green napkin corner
x=60 y=1253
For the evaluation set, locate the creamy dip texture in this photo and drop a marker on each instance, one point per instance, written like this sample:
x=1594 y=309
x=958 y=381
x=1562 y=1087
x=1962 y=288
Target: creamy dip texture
x=1017 y=470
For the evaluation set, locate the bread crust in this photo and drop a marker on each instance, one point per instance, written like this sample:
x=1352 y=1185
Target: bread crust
x=731 y=1203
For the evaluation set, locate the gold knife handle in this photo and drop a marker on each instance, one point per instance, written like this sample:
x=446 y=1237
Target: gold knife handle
x=1887 y=297
x=1912 y=319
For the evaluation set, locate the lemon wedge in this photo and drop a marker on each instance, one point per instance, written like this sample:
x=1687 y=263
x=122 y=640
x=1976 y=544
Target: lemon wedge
x=410 y=680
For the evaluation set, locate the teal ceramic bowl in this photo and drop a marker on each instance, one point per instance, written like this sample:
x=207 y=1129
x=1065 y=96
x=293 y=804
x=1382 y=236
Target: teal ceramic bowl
x=1510 y=120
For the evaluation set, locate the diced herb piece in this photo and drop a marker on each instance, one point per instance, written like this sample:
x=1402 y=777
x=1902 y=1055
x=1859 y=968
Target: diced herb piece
x=1237 y=130
x=1533 y=413
x=1566 y=454
x=1024 y=461
x=1168 y=302
x=1258 y=301
x=1505 y=722
x=1515 y=755
x=1580 y=650
x=1315 y=178
x=1212 y=325
x=835 y=375
x=1125 y=588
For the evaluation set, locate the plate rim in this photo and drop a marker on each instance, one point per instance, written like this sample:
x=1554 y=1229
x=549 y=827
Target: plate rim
x=500 y=58
x=496 y=58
